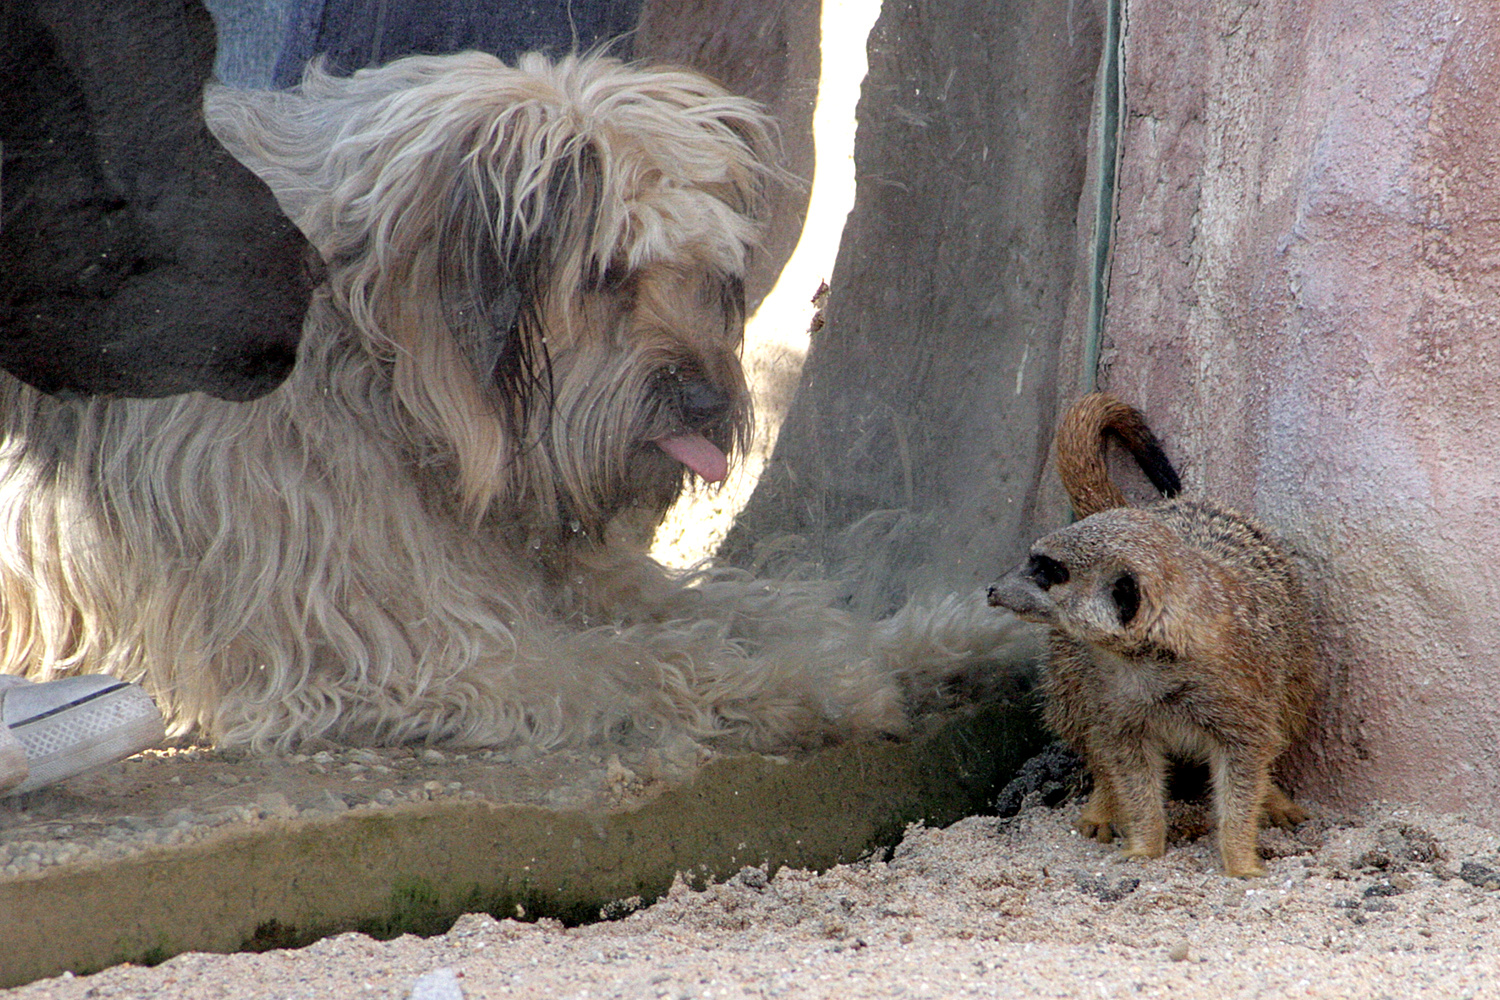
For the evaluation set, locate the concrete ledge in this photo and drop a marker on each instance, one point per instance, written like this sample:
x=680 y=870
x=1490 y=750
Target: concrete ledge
x=417 y=868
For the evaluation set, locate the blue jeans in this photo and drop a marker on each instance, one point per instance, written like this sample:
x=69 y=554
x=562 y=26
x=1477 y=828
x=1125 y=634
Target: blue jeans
x=266 y=43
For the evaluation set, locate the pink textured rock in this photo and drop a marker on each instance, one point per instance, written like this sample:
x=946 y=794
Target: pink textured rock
x=1305 y=301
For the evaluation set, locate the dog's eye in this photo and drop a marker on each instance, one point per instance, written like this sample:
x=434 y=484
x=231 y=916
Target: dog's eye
x=1046 y=572
x=1126 y=594
x=614 y=277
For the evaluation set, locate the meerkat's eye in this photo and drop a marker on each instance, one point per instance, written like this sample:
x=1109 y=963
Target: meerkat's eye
x=1126 y=594
x=1046 y=572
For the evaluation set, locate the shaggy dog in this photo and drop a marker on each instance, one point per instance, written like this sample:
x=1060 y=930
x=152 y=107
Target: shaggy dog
x=434 y=530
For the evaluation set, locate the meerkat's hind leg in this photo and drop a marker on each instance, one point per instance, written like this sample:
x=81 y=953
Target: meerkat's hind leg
x=1099 y=815
x=1138 y=774
x=1281 y=811
x=1242 y=784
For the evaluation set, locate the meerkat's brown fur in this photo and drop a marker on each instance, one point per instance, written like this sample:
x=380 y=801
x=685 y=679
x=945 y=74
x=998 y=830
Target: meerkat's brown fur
x=1180 y=631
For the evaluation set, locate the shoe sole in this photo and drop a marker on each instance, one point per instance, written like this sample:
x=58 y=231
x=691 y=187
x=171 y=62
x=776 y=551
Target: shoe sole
x=97 y=729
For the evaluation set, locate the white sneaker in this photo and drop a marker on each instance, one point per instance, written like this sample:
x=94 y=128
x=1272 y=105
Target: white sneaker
x=72 y=725
x=13 y=766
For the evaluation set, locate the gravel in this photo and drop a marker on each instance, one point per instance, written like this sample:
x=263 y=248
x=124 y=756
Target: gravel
x=1392 y=901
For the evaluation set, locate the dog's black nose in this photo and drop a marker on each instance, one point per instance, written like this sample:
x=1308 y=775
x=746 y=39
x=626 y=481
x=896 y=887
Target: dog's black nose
x=701 y=403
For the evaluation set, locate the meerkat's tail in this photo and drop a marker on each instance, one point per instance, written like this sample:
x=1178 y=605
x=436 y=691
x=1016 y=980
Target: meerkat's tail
x=1082 y=437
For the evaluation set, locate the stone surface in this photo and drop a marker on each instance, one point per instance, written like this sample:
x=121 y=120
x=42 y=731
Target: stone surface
x=915 y=446
x=1303 y=298
x=572 y=836
x=1305 y=301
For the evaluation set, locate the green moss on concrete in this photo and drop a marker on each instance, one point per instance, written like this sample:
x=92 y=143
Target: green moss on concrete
x=416 y=869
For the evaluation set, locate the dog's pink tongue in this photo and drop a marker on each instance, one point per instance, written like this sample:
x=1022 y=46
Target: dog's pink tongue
x=697 y=453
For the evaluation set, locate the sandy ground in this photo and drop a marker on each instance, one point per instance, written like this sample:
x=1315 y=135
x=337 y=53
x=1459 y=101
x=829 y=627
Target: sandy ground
x=1393 y=902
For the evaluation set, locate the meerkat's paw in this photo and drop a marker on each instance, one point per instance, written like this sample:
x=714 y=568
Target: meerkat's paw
x=1096 y=821
x=1144 y=847
x=1239 y=851
x=1245 y=868
x=1282 y=811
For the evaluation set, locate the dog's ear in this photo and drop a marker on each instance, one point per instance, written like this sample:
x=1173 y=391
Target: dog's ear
x=512 y=227
x=485 y=289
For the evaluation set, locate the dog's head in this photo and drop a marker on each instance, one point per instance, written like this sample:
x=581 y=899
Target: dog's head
x=547 y=260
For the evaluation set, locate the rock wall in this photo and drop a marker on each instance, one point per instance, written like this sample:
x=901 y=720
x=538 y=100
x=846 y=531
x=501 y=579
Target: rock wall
x=913 y=452
x=1305 y=300
x=1303 y=297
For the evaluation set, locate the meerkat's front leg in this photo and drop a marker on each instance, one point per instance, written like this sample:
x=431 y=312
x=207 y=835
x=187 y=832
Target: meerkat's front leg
x=1242 y=783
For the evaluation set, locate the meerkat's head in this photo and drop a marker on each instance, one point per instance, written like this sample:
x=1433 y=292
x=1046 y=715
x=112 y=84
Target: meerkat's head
x=1103 y=580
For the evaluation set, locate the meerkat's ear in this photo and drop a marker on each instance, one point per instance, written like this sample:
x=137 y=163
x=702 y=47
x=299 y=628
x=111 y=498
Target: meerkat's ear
x=1125 y=592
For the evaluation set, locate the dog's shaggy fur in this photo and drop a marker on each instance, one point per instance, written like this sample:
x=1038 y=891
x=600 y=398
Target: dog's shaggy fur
x=527 y=343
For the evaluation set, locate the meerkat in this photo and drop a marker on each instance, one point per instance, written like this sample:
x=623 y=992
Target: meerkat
x=1179 y=630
